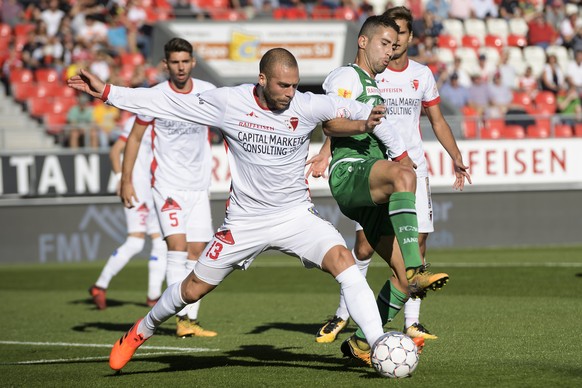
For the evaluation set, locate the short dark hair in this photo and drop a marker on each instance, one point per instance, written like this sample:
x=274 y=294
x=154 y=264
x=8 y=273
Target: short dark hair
x=276 y=56
x=375 y=21
x=177 y=45
x=400 y=13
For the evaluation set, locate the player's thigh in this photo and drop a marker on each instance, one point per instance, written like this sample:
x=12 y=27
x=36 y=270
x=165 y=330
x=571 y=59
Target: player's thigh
x=386 y=177
x=172 y=210
x=424 y=210
x=136 y=218
x=303 y=233
x=234 y=246
x=199 y=221
x=349 y=183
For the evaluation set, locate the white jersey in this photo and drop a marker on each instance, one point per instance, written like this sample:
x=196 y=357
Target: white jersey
x=267 y=150
x=405 y=93
x=141 y=177
x=182 y=153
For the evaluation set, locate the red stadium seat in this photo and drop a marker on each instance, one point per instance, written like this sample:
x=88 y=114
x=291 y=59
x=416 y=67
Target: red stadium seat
x=563 y=130
x=47 y=75
x=231 y=15
x=298 y=13
x=546 y=102
x=132 y=59
x=48 y=89
x=516 y=40
x=513 y=132
x=321 y=12
x=345 y=13
x=21 y=75
x=447 y=41
x=578 y=130
x=470 y=41
x=490 y=133
x=38 y=106
x=22 y=29
x=21 y=91
x=494 y=41
x=470 y=122
x=522 y=99
x=538 y=131
x=63 y=104
x=211 y=4
x=54 y=122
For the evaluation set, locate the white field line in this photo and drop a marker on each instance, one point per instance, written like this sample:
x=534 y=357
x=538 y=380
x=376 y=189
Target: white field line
x=168 y=350
x=380 y=263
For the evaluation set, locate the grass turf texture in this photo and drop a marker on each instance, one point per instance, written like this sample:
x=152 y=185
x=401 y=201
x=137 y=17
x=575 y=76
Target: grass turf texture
x=508 y=318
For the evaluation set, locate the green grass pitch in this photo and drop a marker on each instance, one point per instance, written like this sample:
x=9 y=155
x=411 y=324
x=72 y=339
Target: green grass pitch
x=507 y=318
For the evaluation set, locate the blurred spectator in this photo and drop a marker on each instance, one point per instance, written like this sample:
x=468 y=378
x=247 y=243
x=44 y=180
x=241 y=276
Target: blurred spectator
x=500 y=98
x=427 y=25
x=484 y=9
x=574 y=70
x=31 y=51
x=440 y=8
x=101 y=65
x=117 y=36
x=460 y=9
x=52 y=53
x=52 y=17
x=80 y=123
x=138 y=26
x=555 y=13
x=83 y=8
x=485 y=68
x=569 y=104
x=541 y=33
x=426 y=54
x=509 y=9
x=416 y=8
x=454 y=93
x=94 y=32
x=507 y=71
x=12 y=62
x=478 y=94
x=457 y=68
x=11 y=12
x=105 y=118
x=552 y=75
x=528 y=83
x=568 y=29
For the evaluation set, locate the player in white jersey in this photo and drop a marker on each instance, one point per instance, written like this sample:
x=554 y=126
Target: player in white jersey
x=267 y=127
x=409 y=87
x=141 y=219
x=180 y=179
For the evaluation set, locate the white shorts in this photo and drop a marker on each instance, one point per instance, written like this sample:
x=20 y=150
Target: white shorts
x=142 y=218
x=423 y=207
x=299 y=232
x=184 y=212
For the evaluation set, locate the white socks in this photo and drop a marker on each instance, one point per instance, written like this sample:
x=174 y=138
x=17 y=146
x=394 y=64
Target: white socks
x=120 y=257
x=157 y=268
x=176 y=267
x=169 y=304
x=361 y=303
x=342 y=310
x=411 y=312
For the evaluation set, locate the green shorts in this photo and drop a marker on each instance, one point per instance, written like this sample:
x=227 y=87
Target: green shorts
x=350 y=186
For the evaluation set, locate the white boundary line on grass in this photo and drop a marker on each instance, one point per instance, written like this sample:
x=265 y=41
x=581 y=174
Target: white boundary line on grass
x=169 y=350
x=379 y=263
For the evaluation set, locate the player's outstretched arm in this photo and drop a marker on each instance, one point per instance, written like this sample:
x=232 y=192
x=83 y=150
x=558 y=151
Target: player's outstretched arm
x=341 y=126
x=87 y=83
x=445 y=136
x=318 y=164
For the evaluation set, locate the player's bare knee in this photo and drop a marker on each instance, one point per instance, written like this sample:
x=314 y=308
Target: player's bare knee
x=406 y=179
x=363 y=252
x=337 y=260
x=193 y=289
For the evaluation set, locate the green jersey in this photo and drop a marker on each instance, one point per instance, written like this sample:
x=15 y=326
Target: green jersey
x=352 y=82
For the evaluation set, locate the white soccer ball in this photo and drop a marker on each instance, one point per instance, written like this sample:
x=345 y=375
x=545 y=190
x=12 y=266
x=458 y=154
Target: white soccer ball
x=394 y=355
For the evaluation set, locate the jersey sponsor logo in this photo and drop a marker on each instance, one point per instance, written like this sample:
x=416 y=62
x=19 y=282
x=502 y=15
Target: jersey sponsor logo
x=143 y=208
x=344 y=93
x=391 y=90
x=246 y=124
x=414 y=84
x=225 y=236
x=292 y=123
x=170 y=204
x=372 y=91
x=252 y=114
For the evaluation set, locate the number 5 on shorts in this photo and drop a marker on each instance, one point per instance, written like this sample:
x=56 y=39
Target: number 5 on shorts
x=174 y=217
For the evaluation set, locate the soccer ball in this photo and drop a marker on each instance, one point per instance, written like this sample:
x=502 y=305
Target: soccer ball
x=394 y=355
